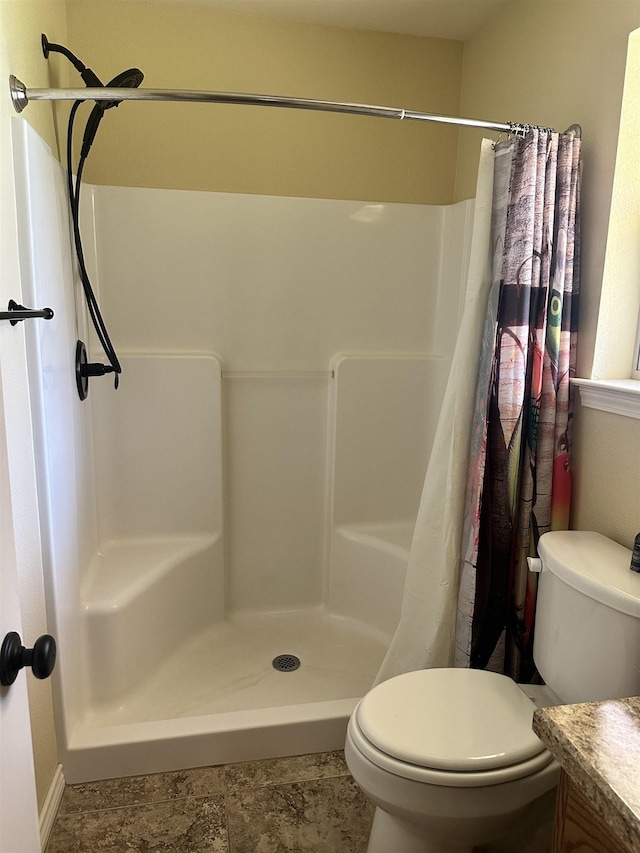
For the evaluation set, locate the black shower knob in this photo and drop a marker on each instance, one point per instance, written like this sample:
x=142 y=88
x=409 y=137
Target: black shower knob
x=14 y=656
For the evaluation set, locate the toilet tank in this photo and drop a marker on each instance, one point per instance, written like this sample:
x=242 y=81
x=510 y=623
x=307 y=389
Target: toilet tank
x=587 y=633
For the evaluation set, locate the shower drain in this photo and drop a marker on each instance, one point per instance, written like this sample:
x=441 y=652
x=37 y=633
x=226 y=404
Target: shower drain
x=286 y=663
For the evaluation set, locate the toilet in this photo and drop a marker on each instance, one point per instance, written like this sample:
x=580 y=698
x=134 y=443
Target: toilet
x=448 y=755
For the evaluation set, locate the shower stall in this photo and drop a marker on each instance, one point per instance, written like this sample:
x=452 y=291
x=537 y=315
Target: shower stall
x=249 y=492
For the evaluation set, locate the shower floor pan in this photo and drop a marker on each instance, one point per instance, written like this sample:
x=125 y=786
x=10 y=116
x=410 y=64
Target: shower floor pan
x=218 y=699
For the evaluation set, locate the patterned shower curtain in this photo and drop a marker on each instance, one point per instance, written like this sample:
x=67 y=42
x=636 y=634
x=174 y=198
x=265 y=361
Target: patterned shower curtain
x=519 y=479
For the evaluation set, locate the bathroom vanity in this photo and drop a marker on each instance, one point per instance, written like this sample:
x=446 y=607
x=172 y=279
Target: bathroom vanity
x=597 y=744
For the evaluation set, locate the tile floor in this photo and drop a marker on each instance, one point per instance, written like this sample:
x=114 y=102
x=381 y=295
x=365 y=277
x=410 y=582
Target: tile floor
x=284 y=805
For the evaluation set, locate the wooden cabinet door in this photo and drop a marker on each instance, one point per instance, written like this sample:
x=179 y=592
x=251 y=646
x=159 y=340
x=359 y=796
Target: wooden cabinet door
x=578 y=828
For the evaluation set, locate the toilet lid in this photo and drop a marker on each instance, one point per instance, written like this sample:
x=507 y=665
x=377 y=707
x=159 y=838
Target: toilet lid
x=460 y=720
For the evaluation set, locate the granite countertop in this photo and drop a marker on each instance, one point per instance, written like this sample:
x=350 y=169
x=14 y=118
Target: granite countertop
x=598 y=746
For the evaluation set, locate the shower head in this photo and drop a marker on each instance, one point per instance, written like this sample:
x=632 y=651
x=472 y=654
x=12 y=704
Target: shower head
x=129 y=79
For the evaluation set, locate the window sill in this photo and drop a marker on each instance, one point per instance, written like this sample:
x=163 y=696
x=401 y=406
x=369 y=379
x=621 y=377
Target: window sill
x=619 y=396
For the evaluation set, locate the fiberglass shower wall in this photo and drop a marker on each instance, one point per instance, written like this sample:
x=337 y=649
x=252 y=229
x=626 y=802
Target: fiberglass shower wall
x=248 y=300
x=62 y=423
x=283 y=360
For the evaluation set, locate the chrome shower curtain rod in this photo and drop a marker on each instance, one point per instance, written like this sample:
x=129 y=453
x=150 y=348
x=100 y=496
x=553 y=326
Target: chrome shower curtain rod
x=21 y=96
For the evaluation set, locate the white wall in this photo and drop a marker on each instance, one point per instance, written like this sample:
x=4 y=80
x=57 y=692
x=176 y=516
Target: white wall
x=386 y=412
x=62 y=429
x=21 y=22
x=268 y=283
x=274 y=287
x=158 y=448
x=275 y=432
x=620 y=297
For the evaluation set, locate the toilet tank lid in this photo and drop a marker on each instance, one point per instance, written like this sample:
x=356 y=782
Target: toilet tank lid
x=593 y=565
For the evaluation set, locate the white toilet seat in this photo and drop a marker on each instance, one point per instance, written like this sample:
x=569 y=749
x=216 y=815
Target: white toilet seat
x=448 y=779
x=450 y=727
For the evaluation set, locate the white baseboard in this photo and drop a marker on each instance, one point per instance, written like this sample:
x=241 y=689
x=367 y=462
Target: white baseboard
x=51 y=805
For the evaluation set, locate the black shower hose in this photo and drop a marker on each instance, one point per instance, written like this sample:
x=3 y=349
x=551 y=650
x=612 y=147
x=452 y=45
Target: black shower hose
x=74 y=202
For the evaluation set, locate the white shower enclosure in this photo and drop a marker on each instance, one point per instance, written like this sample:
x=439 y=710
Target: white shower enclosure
x=251 y=489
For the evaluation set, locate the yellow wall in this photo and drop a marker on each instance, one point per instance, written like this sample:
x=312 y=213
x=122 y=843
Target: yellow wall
x=607 y=473
x=269 y=151
x=555 y=62
x=21 y=22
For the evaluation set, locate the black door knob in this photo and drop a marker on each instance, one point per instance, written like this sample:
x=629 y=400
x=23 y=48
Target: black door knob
x=13 y=657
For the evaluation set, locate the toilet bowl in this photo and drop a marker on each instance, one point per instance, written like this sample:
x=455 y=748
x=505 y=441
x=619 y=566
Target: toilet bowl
x=448 y=756
x=449 y=759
